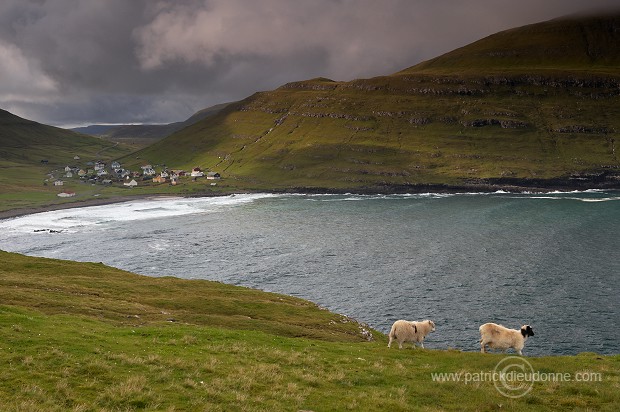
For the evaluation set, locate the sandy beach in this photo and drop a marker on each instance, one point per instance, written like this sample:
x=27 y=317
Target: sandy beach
x=80 y=203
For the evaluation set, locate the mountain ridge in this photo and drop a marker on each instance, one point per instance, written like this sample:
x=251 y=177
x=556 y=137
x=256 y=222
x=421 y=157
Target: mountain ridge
x=567 y=42
x=453 y=120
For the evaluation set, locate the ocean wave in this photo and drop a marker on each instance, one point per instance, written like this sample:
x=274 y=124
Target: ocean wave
x=96 y=217
x=579 y=199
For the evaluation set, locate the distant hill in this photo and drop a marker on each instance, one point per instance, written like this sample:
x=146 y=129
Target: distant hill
x=146 y=134
x=27 y=141
x=97 y=130
x=537 y=105
x=31 y=151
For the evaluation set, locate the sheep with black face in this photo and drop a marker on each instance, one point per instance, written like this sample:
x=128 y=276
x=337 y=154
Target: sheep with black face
x=500 y=337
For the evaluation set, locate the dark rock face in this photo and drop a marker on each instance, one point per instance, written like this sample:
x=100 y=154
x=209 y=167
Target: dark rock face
x=584 y=129
x=505 y=124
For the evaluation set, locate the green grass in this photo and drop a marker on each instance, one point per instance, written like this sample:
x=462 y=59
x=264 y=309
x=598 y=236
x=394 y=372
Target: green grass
x=86 y=337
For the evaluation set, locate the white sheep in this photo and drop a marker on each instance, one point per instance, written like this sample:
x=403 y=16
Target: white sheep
x=499 y=337
x=410 y=331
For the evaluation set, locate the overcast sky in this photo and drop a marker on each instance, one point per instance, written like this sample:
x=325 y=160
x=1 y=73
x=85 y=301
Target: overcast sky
x=77 y=62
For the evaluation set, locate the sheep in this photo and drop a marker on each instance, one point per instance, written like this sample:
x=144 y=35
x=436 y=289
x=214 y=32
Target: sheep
x=499 y=337
x=410 y=331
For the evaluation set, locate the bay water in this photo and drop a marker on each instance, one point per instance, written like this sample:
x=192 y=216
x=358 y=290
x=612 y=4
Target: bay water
x=549 y=260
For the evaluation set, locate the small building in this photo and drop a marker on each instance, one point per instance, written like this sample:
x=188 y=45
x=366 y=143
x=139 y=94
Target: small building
x=159 y=179
x=131 y=183
x=58 y=183
x=69 y=174
x=76 y=157
x=116 y=165
x=148 y=170
x=82 y=173
x=66 y=194
x=213 y=176
x=197 y=172
x=67 y=168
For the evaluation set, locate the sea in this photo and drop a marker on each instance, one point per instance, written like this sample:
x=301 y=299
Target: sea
x=550 y=260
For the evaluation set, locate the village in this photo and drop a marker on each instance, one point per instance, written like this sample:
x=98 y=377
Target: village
x=100 y=173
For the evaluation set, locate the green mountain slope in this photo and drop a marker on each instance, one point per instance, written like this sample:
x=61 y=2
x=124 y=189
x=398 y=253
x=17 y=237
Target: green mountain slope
x=30 y=152
x=573 y=43
x=501 y=110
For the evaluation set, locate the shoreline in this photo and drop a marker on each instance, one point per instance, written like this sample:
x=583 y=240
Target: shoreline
x=384 y=190
x=11 y=213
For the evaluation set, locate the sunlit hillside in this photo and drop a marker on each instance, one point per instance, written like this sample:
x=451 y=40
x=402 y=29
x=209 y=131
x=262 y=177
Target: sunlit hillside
x=537 y=105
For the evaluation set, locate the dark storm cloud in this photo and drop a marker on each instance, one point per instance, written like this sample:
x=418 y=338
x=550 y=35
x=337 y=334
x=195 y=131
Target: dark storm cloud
x=75 y=62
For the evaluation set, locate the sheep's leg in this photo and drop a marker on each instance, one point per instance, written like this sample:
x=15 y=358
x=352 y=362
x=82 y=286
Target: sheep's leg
x=422 y=345
x=400 y=345
x=519 y=352
x=390 y=342
x=482 y=347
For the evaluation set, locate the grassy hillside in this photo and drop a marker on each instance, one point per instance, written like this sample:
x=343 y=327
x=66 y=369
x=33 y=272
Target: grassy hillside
x=570 y=43
x=503 y=110
x=30 y=152
x=86 y=337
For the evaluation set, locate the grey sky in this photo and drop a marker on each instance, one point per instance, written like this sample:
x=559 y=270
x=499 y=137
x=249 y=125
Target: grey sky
x=69 y=62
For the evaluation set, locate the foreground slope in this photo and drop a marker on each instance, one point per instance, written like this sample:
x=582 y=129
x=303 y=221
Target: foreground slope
x=503 y=110
x=87 y=337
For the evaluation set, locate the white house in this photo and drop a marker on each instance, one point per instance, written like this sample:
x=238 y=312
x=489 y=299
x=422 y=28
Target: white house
x=196 y=172
x=67 y=168
x=116 y=165
x=213 y=176
x=76 y=157
x=148 y=170
x=58 y=183
x=66 y=194
x=131 y=183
